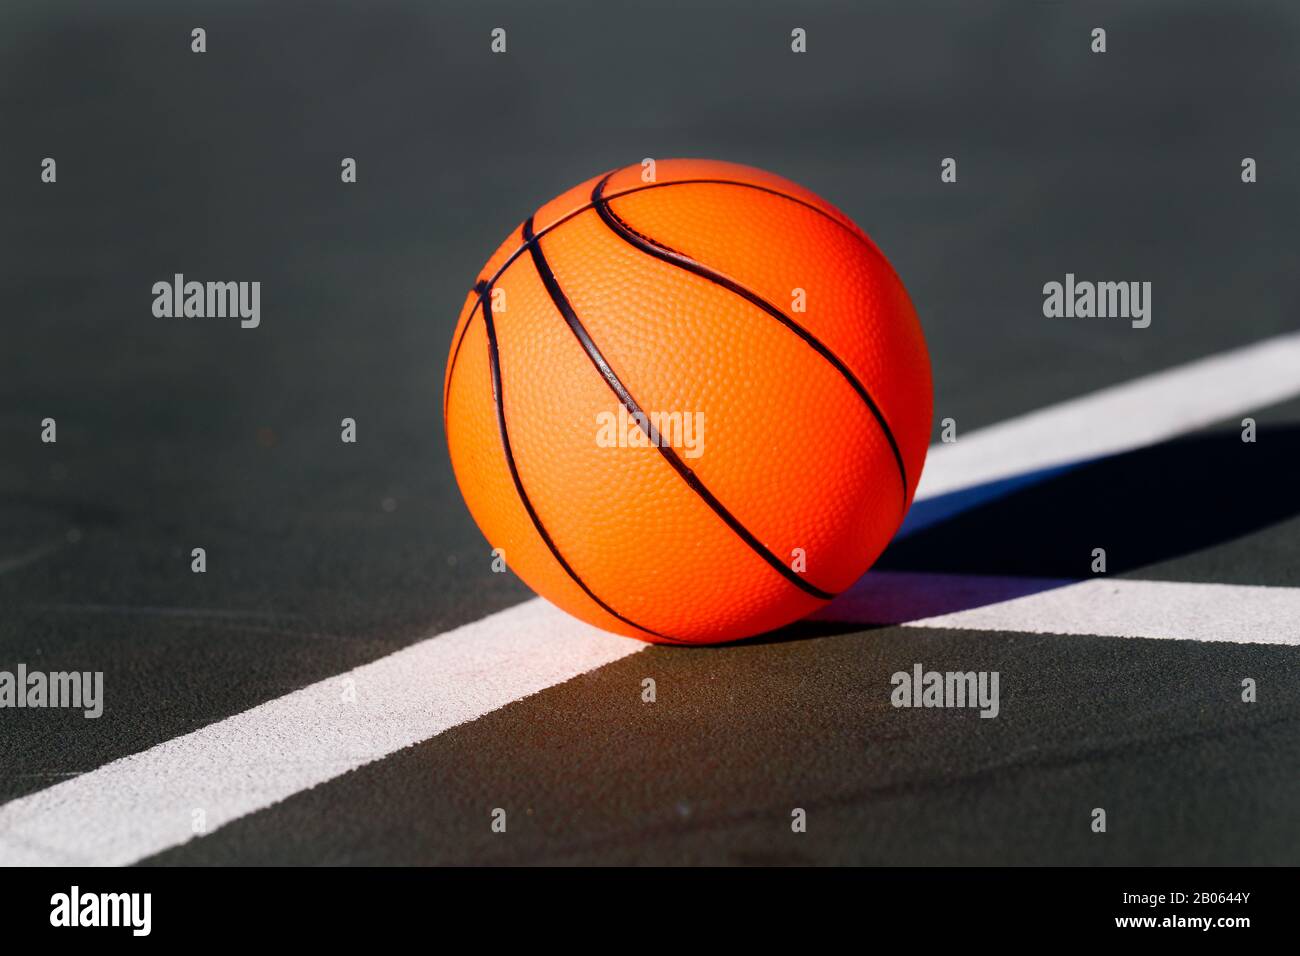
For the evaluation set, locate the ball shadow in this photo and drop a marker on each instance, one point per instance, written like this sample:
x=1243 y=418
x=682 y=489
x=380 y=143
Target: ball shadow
x=1036 y=532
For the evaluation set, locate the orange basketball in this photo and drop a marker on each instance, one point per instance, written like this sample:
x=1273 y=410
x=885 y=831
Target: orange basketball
x=690 y=409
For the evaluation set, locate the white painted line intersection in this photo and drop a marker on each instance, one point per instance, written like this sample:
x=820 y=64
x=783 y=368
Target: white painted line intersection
x=145 y=803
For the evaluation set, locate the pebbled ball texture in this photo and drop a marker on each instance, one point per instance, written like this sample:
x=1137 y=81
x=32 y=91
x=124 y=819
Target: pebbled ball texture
x=680 y=296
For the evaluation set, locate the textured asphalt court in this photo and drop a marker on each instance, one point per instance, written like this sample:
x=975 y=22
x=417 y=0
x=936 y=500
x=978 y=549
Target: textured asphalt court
x=173 y=435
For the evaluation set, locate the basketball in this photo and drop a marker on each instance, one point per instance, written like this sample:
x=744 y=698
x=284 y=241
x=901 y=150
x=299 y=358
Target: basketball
x=688 y=401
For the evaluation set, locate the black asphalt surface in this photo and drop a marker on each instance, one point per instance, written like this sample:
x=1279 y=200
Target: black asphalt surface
x=322 y=556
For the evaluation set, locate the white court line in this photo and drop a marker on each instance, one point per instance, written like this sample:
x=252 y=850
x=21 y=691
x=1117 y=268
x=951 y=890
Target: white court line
x=140 y=805
x=1105 y=607
x=1118 y=607
x=1138 y=413
x=1141 y=412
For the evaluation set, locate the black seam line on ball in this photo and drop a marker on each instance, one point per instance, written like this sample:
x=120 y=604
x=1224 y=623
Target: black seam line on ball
x=494 y=359
x=852 y=230
x=670 y=455
x=479 y=286
x=662 y=252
